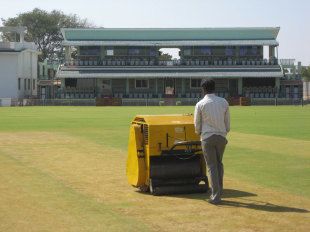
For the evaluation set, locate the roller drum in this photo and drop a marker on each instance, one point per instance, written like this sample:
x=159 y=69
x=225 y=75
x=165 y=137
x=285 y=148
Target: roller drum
x=172 y=167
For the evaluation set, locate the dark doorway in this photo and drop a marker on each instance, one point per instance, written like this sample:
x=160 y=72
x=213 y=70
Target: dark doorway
x=259 y=82
x=233 y=88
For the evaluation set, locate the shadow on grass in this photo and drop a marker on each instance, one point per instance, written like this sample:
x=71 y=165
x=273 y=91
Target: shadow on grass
x=263 y=206
x=227 y=193
x=246 y=203
x=233 y=193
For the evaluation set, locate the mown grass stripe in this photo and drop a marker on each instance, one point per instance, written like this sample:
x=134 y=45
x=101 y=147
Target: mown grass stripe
x=30 y=191
x=278 y=171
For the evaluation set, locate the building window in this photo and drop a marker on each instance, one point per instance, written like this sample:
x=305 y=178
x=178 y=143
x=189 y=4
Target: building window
x=19 y=83
x=25 y=84
x=142 y=83
x=90 y=51
x=195 y=83
x=51 y=73
x=70 y=82
x=134 y=51
x=229 y=51
x=110 y=52
x=28 y=84
x=243 y=51
x=33 y=84
x=187 y=52
x=203 y=51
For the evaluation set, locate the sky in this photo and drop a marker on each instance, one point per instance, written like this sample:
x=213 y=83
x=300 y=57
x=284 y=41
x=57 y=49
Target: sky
x=292 y=16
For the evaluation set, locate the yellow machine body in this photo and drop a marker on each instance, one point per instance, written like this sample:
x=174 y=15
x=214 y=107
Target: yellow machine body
x=161 y=138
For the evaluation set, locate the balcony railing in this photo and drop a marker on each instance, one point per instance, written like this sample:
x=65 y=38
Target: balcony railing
x=287 y=62
x=187 y=62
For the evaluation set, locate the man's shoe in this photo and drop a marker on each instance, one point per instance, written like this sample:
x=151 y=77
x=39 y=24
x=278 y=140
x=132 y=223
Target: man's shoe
x=213 y=202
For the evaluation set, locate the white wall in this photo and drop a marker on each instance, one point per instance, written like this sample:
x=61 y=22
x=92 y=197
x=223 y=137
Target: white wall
x=14 y=66
x=306 y=92
x=8 y=74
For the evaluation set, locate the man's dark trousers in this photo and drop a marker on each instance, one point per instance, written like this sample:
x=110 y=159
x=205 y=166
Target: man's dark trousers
x=213 y=149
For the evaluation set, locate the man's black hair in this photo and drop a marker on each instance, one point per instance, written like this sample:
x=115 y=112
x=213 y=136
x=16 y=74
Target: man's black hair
x=208 y=85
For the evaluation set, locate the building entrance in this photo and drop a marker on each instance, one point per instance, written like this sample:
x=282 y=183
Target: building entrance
x=233 y=88
x=105 y=88
x=169 y=87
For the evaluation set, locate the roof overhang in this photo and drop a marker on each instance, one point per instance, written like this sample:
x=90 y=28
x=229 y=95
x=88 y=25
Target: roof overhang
x=174 y=43
x=164 y=73
x=170 y=34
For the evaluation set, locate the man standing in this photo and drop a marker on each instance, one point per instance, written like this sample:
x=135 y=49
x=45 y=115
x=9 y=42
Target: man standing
x=212 y=123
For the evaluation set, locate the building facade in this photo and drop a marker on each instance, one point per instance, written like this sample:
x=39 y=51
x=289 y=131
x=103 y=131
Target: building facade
x=128 y=63
x=18 y=67
x=47 y=84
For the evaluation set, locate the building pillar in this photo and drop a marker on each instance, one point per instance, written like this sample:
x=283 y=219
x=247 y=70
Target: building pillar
x=156 y=85
x=240 y=84
x=277 y=86
x=22 y=36
x=271 y=52
x=67 y=53
x=127 y=86
x=237 y=52
x=96 y=89
x=183 y=86
x=306 y=90
x=111 y=83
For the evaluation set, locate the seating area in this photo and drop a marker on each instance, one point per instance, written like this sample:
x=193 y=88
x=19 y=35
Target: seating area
x=259 y=92
x=249 y=92
x=184 y=62
x=74 y=93
x=112 y=62
x=145 y=95
x=230 y=62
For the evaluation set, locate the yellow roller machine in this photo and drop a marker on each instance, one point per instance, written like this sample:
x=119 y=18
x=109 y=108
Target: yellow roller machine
x=164 y=155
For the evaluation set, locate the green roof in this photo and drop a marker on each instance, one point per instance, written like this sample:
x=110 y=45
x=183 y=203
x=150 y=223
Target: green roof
x=170 y=34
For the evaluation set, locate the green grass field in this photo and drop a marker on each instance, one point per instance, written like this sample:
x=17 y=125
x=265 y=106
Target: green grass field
x=63 y=169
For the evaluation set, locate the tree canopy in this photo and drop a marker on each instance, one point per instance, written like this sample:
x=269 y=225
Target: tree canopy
x=43 y=28
x=165 y=56
x=305 y=72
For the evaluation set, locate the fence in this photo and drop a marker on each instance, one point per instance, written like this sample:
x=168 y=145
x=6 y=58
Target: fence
x=47 y=102
x=145 y=102
x=159 y=102
x=279 y=101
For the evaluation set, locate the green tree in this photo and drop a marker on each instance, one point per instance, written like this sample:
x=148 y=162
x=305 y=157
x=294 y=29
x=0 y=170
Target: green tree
x=43 y=28
x=164 y=56
x=305 y=73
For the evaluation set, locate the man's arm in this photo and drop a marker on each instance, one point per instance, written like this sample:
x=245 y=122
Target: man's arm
x=227 y=119
x=197 y=119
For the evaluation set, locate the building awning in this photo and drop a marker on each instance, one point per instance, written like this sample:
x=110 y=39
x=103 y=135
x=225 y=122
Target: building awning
x=122 y=73
x=175 y=43
x=170 y=34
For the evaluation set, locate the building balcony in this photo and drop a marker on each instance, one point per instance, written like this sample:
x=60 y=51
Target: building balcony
x=291 y=77
x=182 y=62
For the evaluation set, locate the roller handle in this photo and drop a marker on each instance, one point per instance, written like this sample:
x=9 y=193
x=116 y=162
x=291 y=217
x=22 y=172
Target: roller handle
x=188 y=144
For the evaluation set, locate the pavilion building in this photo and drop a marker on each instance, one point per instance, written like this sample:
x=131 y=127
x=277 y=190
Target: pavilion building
x=128 y=63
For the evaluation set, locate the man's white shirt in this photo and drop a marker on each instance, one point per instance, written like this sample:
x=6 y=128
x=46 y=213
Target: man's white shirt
x=212 y=117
